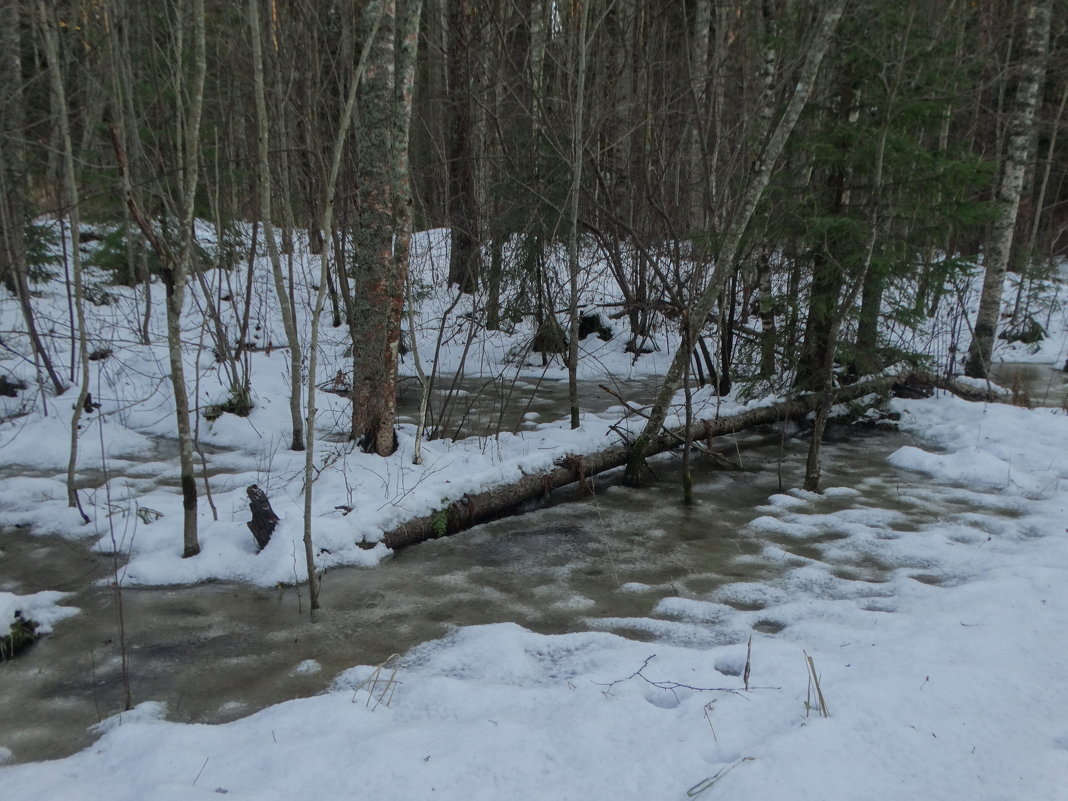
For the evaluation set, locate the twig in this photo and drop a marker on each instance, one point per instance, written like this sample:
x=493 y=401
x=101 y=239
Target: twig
x=671 y=686
x=372 y=682
x=706 y=784
x=202 y=768
x=748 y=662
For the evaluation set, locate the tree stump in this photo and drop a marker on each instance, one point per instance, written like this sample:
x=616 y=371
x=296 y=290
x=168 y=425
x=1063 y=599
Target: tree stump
x=263 y=517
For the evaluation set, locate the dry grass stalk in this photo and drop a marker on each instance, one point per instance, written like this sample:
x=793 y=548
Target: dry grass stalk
x=814 y=682
x=374 y=681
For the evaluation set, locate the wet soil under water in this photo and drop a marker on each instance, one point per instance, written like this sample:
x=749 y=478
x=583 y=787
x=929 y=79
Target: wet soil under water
x=214 y=652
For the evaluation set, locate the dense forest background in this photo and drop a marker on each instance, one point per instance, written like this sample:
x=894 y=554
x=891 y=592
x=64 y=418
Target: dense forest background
x=779 y=178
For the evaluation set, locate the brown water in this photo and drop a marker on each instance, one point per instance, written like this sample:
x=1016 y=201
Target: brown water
x=1045 y=385
x=214 y=652
x=486 y=406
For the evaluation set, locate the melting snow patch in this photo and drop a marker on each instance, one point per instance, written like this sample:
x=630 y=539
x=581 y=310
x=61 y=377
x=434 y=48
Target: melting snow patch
x=41 y=607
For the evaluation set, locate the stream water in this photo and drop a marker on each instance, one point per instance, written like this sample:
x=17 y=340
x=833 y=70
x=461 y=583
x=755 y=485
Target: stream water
x=214 y=652
x=1044 y=385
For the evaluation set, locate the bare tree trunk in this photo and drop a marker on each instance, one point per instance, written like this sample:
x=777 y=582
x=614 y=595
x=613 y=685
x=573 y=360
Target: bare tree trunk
x=285 y=306
x=699 y=90
x=407 y=49
x=373 y=395
x=13 y=267
x=179 y=278
x=381 y=265
x=464 y=254
x=372 y=13
x=578 y=133
x=176 y=266
x=1021 y=308
x=59 y=98
x=1021 y=134
x=736 y=228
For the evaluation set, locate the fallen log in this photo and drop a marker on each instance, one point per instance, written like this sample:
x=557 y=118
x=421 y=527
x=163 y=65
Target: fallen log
x=470 y=510
x=969 y=392
x=498 y=501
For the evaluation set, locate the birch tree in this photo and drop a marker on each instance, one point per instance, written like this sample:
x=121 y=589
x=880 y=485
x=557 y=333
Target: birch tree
x=175 y=263
x=1031 y=69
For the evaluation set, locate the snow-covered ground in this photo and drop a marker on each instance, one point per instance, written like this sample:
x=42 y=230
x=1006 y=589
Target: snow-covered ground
x=357 y=497
x=127 y=435
x=942 y=688
x=941 y=683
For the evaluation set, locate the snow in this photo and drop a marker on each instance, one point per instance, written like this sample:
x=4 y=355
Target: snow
x=942 y=674
x=42 y=608
x=357 y=497
x=943 y=691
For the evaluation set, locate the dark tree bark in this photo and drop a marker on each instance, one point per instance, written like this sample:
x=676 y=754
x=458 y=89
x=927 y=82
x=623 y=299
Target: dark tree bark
x=264 y=520
x=374 y=345
x=464 y=258
x=383 y=225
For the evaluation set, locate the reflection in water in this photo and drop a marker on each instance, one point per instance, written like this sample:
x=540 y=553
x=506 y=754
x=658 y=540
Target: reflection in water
x=1045 y=385
x=213 y=652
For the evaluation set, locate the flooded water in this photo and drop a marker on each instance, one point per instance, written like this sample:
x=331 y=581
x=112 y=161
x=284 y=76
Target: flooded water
x=1044 y=385
x=613 y=562
x=214 y=652
x=486 y=406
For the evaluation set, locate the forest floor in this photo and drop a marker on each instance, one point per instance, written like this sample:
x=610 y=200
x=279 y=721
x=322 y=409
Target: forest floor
x=942 y=682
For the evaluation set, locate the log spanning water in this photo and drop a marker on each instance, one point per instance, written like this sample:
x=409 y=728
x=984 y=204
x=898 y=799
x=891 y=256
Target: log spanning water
x=482 y=507
x=471 y=510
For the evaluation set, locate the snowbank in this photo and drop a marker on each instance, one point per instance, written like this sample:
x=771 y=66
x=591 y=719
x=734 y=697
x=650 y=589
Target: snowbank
x=941 y=681
x=41 y=607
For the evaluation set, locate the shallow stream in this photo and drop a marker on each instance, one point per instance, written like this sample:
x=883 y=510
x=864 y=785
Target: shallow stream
x=214 y=652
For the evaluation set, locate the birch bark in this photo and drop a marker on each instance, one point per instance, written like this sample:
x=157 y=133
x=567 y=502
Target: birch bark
x=1021 y=134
